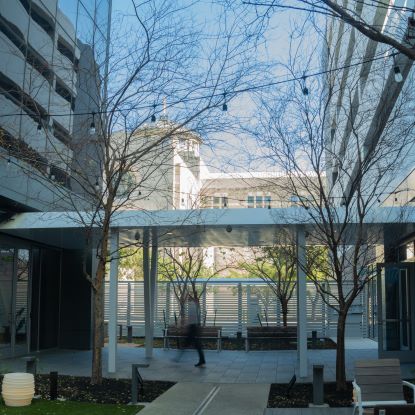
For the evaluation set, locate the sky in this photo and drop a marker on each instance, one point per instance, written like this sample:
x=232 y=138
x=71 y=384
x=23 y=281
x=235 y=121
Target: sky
x=236 y=150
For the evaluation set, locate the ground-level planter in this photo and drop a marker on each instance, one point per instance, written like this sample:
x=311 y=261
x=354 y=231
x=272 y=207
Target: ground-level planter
x=18 y=389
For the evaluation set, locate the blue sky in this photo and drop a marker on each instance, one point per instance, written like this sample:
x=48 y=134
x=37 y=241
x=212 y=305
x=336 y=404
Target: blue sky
x=221 y=154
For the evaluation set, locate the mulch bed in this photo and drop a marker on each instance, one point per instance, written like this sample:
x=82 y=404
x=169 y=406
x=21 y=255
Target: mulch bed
x=232 y=343
x=116 y=391
x=302 y=394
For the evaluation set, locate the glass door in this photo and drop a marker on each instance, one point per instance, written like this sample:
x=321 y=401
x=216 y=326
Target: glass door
x=7 y=267
x=395 y=301
x=14 y=301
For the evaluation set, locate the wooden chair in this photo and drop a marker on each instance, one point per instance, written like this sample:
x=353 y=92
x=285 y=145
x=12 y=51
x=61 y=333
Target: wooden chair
x=395 y=410
x=378 y=382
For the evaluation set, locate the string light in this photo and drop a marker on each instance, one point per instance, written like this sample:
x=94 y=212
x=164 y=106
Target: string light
x=397 y=72
x=225 y=105
x=305 y=89
x=153 y=117
x=235 y=92
x=96 y=184
x=39 y=127
x=92 y=129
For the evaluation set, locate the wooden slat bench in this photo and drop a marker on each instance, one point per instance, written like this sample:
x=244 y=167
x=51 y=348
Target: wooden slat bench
x=205 y=333
x=287 y=334
x=378 y=382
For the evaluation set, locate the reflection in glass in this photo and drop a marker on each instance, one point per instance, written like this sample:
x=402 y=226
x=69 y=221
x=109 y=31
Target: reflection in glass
x=6 y=295
x=85 y=28
x=22 y=286
x=70 y=9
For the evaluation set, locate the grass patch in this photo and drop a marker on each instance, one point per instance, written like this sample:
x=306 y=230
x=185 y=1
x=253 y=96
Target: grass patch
x=43 y=407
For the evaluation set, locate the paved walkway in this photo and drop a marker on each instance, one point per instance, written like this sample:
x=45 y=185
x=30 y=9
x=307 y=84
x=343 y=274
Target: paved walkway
x=223 y=367
x=211 y=399
x=308 y=411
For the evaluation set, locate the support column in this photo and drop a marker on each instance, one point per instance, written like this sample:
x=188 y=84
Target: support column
x=148 y=342
x=113 y=303
x=301 y=303
x=153 y=284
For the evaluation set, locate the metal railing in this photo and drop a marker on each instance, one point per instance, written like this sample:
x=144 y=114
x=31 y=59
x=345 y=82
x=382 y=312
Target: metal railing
x=236 y=304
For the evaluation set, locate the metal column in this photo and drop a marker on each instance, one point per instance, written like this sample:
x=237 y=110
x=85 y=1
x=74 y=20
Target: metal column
x=147 y=295
x=113 y=303
x=301 y=303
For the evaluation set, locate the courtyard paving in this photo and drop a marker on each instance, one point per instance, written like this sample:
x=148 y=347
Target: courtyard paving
x=222 y=367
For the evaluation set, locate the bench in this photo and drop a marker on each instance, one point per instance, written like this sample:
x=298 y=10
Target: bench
x=287 y=334
x=205 y=333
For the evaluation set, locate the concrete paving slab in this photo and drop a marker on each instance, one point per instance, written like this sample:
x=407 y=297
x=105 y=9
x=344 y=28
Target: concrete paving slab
x=308 y=411
x=210 y=399
x=240 y=399
x=182 y=398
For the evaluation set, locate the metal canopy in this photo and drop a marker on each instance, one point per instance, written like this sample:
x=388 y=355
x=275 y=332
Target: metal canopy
x=199 y=227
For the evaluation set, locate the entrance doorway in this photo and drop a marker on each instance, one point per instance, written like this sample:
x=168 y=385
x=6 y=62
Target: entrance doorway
x=14 y=301
x=395 y=290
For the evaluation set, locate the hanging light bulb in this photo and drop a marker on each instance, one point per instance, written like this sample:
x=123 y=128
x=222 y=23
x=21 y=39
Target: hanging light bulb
x=153 y=117
x=305 y=89
x=92 y=129
x=225 y=105
x=397 y=71
x=96 y=184
x=398 y=74
x=39 y=127
x=48 y=170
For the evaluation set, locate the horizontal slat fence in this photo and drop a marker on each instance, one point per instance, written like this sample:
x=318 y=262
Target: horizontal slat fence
x=235 y=304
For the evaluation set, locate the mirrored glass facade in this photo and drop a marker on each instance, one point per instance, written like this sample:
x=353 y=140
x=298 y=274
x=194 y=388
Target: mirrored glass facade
x=53 y=61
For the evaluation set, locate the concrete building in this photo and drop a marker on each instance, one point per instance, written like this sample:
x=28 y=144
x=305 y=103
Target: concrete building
x=53 y=57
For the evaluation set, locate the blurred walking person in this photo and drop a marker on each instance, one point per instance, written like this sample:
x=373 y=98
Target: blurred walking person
x=193 y=330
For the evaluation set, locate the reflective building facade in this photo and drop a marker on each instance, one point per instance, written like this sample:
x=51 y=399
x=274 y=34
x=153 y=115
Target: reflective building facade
x=53 y=64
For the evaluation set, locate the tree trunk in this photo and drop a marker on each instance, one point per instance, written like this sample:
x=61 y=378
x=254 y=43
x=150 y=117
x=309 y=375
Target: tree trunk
x=340 y=353
x=96 y=377
x=284 y=310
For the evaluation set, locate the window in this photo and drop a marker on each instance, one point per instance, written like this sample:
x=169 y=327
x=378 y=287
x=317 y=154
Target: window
x=259 y=202
x=65 y=93
x=66 y=50
x=39 y=64
x=13 y=92
x=216 y=202
x=250 y=201
x=61 y=133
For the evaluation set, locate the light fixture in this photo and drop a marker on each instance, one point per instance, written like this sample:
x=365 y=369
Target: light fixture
x=137 y=236
x=397 y=71
x=92 y=129
x=398 y=74
x=96 y=184
x=305 y=89
x=39 y=127
x=153 y=117
x=225 y=105
x=229 y=228
x=48 y=170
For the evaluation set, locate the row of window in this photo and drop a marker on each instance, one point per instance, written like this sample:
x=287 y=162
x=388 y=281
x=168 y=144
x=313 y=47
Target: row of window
x=21 y=150
x=34 y=59
x=258 y=201
x=35 y=111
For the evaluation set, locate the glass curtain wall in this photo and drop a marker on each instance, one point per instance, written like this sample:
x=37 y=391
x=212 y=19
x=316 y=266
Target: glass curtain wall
x=14 y=301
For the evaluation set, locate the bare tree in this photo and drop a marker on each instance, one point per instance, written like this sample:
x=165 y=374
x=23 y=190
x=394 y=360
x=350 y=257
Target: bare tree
x=189 y=273
x=340 y=163
x=277 y=266
x=158 y=53
x=379 y=21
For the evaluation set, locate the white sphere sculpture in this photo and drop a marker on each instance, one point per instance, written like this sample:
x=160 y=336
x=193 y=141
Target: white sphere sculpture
x=18 y=389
